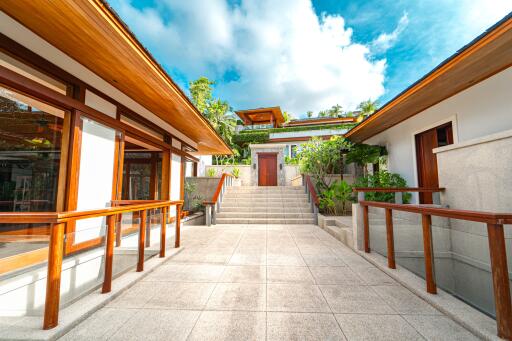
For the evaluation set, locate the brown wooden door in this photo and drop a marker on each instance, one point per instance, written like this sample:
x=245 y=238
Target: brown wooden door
x=427 y=160
x=267 y=169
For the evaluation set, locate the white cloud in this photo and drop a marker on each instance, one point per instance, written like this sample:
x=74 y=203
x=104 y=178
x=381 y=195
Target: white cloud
x=284 y=53
x=386 y=40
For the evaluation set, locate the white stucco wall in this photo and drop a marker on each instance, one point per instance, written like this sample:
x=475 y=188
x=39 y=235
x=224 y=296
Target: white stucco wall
x=483 y=109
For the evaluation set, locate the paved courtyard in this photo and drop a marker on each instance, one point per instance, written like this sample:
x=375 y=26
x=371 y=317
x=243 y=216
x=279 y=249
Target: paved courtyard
x=267 y=282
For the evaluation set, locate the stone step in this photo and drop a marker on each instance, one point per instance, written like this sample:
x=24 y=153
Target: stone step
x=269 y=209
x=291 y=193
x=265 y=188
x=276 y=215
x=237 y=201
x=297 y=221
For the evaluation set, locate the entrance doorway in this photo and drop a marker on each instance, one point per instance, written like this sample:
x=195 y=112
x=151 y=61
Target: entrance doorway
x=267 y=169
x=427 y=160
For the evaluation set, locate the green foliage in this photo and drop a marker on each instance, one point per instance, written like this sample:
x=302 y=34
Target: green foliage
x=287 y=116
x=386 y=180
x=319 y=158
x=335 y=198
x=211 y=172
x=309 y=114
x=291 y=160
x=215 y=110
x=292 y=129
x=363 y=154
x=367 y=107
x=248 y=138
x=193 y=201
x=236 y=172
x=246 y=161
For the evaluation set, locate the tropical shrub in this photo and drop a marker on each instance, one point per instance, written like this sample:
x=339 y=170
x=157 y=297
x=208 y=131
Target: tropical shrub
x=319 y=158
x=193 y=201
x=364 y=154
x=211 y=172
x=236 y=172
x=383 y=179
x=291 y=160
x=334 y=200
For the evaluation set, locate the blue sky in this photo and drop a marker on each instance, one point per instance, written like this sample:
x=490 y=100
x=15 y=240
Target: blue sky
x=306 y=55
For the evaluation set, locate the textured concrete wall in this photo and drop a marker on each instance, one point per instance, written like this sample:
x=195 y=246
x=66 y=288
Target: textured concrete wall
x=477 y=177
x=245 y=172
x=205 y=188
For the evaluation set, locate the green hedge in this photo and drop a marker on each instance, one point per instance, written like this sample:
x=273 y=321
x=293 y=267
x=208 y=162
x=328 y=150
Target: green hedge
x=291 y=129
x=252 y=137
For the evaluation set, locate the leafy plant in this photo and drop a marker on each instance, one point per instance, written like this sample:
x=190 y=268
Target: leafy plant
x=192 y=201
x=363 y=154
x=236 y=172
x=319 y=158
x=211 y=172
x=383 y=179
x=291 y=160
x=336 y=197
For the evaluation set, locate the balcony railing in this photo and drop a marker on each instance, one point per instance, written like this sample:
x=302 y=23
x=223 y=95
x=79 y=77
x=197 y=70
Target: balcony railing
x=495 y=236
x=56 y=250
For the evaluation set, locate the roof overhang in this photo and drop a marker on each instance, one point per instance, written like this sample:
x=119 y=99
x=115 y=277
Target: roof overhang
x=272 y=115
x=485 y=56
x=92 y=34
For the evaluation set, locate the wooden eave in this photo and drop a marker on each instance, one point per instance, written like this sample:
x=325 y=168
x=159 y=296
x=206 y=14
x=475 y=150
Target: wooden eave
x=487 y=55
x=92 y=34
x=261 y=116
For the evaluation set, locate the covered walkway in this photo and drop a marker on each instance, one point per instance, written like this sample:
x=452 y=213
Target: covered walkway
x=267 y=282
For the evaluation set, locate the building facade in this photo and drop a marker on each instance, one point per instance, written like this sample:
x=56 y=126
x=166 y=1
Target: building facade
x=87 y=119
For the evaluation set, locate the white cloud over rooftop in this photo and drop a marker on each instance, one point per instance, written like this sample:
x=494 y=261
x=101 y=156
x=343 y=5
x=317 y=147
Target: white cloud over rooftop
x=283 y=53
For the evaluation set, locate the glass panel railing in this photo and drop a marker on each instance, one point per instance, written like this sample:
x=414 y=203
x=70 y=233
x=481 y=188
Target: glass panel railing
x=23 y=263
x=460 y=248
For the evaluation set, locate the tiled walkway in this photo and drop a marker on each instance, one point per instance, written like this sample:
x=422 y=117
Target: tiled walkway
x=273 y=282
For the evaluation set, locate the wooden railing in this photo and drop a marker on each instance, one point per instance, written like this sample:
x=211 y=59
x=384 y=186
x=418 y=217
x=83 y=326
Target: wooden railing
x=58 y=221
x=398 y=192
x=213 y=206
x=495 y=236
x=312 y=195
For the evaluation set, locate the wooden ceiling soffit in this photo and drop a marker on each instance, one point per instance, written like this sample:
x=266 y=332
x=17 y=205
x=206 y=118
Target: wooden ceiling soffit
x=484 y=58
x=89 y=32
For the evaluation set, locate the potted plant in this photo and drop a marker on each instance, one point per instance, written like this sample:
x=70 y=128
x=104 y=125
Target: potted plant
x=236 y=173
x=211 y=172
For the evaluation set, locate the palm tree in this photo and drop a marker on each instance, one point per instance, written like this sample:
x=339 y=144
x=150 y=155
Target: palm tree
x=367 y=107
x=336 y=110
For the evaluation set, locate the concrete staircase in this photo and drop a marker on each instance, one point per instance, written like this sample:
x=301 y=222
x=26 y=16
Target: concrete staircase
x=265 y=205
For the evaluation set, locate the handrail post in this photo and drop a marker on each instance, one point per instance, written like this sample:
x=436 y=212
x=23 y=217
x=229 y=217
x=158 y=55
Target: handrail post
x=428 y=252
x=119 y=226
x=142 y=237
x=178 y=226
x=208 y=214
x=109 y=254
x=390 y=239
x=366 y=232
x=214 y=216
x=148 y=229
x=55 y=254
x=163 y=231
x=500 y=280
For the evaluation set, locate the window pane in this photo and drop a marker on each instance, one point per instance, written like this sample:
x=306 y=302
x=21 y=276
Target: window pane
x=30 y=145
